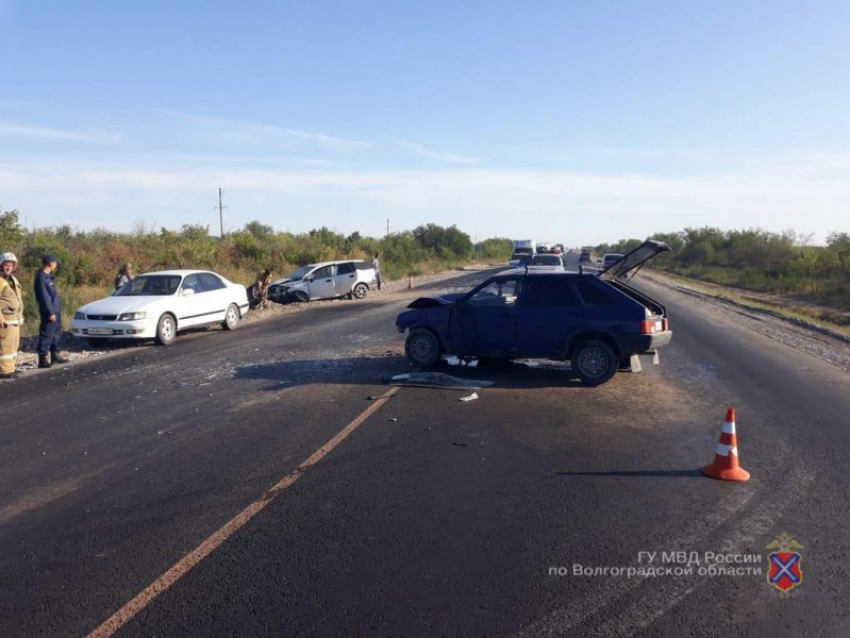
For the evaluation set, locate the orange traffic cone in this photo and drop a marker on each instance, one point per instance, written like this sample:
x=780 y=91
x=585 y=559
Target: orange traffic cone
x=410 y=283
x=725 y=466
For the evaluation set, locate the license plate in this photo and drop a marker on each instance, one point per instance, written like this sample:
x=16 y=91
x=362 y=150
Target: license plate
x=100 y=331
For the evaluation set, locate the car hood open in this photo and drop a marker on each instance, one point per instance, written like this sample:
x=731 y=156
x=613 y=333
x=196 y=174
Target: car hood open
x=634 y=259
x=436 y=301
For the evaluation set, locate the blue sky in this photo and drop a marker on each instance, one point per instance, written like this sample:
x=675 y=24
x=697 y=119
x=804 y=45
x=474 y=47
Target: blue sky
x=570 y=121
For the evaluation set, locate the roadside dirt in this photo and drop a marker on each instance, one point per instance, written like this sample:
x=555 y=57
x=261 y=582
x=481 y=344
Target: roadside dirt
x=75 y=349
x=818 y=341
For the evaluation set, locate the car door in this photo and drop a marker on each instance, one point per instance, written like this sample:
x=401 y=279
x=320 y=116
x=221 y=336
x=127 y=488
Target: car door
x=345 y=278
x=549 y=311
x=192 y=302
x=484 y=322
x=218 y=296
x=322 y=284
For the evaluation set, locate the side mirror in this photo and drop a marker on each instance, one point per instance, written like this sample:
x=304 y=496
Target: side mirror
x=309 y=278
x=187 y=292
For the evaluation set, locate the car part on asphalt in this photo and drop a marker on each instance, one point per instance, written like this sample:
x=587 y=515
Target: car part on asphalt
x=437 y=380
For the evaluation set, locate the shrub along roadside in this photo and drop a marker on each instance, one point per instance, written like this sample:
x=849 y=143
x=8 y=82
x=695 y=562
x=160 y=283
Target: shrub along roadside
x=90 y=259
x=778 y=263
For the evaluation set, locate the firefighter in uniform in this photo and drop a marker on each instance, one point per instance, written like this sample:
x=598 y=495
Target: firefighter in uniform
x=11 y=316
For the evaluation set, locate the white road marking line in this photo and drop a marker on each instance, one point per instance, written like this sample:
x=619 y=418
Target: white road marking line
x=190 y=560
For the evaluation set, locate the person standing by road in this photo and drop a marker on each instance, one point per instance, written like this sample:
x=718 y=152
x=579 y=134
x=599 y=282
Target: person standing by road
x=11 y=316
x=376 y=264
x=50 y=309
x=124 y=277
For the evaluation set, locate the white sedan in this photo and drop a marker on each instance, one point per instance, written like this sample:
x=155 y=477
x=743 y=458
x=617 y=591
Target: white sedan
x=157 y=305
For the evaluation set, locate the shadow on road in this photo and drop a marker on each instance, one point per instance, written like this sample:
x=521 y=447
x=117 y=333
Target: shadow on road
x=650 y=473
x=378 y=369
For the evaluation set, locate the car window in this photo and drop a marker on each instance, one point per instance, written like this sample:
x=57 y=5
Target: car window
x=210 y=282
x=499 y=292
x=324 y=272
x=548 y=291
x=299 y=274
x=593 y=294
x=193 y=282
x=150 y=285
x=345 y=268
x=546 y=260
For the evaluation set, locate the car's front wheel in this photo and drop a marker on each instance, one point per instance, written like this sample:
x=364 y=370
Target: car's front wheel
x=594 y=362
x=231 y=318
x=300 y=295
x=422 y=348
x=166 y=330
x=360 y=291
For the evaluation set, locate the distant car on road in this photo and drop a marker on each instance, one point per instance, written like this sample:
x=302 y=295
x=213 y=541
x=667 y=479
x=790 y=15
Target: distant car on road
x=546 y=262
x=593 y=320
x=157 y=305
x=350 y=278
x=520 y=260
x=585 y=257
x=609 y=259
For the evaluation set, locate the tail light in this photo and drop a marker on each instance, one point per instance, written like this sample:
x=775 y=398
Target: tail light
x=665 y=324
x=651 y=326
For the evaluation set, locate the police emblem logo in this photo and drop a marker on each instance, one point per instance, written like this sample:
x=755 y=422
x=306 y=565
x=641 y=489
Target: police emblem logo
x=786 y=569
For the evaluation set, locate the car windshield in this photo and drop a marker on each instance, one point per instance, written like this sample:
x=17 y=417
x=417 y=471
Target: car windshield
x=300 y=273
x=151 y=286
x=546 y=260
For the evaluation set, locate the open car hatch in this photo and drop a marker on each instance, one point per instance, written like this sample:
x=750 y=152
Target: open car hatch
x=633 y=260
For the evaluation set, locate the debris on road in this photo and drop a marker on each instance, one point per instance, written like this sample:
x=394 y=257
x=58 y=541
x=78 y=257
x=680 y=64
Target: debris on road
x=438 y=380
x=471 y=397
x=453 y=360
x=459 y=444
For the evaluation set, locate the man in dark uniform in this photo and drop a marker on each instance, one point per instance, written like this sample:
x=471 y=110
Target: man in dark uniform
x=50 y=309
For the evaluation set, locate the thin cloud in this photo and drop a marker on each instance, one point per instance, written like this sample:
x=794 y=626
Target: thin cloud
x=11 y=129
x=326 y=140
x=449 y=158
x=252 y=131
x=581 y=206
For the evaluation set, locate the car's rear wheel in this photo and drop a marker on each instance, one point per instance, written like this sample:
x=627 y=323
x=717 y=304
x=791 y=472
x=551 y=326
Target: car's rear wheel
x=231 y=318
x=360 y=291
x=166 y=330
x=594 y=362
x=423 y=348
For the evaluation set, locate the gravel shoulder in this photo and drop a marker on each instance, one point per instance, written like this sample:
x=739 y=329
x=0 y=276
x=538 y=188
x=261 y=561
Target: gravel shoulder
x=817 y=341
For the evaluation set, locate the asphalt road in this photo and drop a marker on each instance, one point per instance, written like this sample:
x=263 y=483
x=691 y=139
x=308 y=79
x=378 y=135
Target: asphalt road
x=433 y=517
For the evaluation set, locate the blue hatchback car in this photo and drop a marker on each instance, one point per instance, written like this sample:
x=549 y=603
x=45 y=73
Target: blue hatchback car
x=595 y=320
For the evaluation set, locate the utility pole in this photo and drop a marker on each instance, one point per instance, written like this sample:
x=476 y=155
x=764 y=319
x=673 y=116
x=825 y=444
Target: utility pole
x=388 y=227
x=221 y=211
